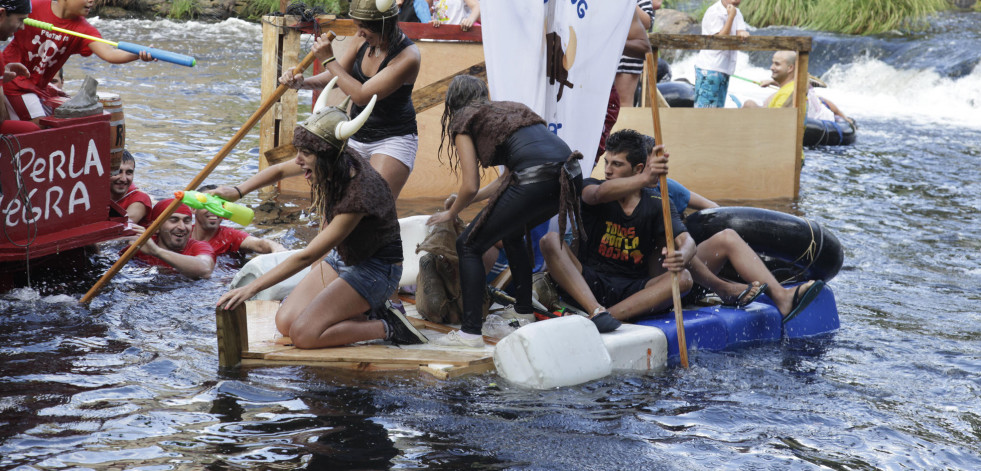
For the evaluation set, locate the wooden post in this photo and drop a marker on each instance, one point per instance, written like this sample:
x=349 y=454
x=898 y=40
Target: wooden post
x=280 y=51
x=801 y=85
x=233 y=335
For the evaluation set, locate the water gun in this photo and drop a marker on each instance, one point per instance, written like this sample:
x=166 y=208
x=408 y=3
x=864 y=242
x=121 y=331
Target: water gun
x=237 y=213
x=172 y=57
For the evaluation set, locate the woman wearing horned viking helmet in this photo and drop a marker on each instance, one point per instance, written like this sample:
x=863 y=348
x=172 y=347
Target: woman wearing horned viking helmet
x=382 y=61
x=541 y=178
x=343 y=298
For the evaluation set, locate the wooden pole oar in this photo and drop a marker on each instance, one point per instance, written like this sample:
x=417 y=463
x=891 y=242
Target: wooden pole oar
x=666 y=209
x=263 y=108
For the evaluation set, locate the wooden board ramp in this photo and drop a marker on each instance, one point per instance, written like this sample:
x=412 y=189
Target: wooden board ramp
x=247 y=336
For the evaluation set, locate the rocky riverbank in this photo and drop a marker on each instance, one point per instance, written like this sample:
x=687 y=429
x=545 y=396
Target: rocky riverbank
x=666 y=21
x=208 y=10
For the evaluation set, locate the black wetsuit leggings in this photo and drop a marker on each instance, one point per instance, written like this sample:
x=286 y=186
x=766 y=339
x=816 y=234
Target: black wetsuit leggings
x=518 y=207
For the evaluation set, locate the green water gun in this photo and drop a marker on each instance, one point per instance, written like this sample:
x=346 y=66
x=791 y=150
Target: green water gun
x=234 y=212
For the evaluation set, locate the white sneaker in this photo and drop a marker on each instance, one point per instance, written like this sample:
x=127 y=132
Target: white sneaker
x=454 y=339
x=509 y=313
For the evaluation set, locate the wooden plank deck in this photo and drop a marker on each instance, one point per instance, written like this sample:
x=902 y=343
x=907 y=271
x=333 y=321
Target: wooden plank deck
x=248 y=337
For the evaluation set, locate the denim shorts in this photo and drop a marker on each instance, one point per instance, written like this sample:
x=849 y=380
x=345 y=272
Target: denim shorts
x=373 y=279
x=710 y=88
x=401 y=148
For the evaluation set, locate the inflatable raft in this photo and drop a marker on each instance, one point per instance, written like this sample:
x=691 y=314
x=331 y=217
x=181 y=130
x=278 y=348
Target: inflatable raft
x=828 y=133
x=794 y=249
x=678 y=94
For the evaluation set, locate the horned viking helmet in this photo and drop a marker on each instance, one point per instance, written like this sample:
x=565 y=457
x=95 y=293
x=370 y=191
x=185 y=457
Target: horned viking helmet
x=331 y=123
x=373 y=10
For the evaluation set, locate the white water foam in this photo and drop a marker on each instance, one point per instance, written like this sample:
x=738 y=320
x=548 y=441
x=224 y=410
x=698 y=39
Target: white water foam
x=870 y=88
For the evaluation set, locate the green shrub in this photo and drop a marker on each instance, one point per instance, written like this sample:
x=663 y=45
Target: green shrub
x=761 y=13
x=255 y=9
x=861 y=17
x=184 y=10
x=871 y=16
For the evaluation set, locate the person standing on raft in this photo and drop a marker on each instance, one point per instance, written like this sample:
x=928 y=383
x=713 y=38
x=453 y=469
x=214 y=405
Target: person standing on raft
x=541 y=178
x=359 y=244
x=384 y=62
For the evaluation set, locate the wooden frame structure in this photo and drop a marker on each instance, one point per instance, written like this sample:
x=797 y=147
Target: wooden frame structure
x=447 y=51
x=726 y=154
x=723 y=154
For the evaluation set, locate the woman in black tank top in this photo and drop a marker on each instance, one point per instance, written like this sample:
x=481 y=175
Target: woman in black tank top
x=381 y=61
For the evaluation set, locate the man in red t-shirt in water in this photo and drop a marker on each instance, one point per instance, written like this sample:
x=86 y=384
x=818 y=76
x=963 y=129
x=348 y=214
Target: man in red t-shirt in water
x=136 y=203
x=173 y=245
x=208 y=228
x=45 y=52
x=12 y=14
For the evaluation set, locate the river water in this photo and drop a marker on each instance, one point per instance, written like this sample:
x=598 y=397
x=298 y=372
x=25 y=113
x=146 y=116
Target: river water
x=133 y=382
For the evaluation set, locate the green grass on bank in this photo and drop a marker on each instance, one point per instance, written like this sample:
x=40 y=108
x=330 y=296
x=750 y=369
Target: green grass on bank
x=255 y=9
x=184 y=10
x=860 y=17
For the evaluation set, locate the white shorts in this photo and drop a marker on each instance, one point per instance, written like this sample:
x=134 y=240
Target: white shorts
x=401 y=148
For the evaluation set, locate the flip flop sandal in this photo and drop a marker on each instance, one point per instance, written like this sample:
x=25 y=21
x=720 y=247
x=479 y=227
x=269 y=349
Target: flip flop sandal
x=749 y=301
x=734 y=302
x=800 y=303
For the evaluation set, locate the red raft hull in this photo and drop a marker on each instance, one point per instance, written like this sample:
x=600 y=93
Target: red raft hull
x=55 y=189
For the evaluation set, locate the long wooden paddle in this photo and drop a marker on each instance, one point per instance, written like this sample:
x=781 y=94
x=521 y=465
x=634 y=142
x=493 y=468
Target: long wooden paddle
x=263 y=108
x=666 y=208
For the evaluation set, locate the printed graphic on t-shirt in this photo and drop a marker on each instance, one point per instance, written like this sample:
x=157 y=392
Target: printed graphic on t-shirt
x=620 y=243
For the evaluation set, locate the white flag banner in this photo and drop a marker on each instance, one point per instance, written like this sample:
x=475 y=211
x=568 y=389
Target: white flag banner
x=558 y=57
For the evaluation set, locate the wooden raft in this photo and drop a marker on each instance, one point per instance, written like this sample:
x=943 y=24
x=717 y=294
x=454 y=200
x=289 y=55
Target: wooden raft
x=247 y=337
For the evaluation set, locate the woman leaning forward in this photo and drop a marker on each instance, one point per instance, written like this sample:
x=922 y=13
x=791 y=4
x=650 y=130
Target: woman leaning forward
x=541 y=179
x=356 y=256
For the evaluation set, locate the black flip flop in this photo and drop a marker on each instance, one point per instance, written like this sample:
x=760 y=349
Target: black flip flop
x=749 y=301
x=749 y=287
x=799 y=303
x=605 y=322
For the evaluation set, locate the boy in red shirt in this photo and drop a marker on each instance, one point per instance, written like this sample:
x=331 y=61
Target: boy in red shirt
x=136 y=203
x=45 y=52
x=223 y=239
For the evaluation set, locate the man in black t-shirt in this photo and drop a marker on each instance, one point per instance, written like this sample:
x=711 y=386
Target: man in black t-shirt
x=617 y=273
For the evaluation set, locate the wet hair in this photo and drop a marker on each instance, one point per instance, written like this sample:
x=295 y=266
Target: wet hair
x=207 y=187
x=127 y=157
x=388 y=29
x=463 y=90
x=21 y=7
x=331 y=170
x=649 y=143
x=631 y=142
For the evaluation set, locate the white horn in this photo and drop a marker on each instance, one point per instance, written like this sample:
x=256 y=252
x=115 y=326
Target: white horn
x=383 y=5
x=322 y=99
x=346 y=129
